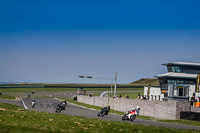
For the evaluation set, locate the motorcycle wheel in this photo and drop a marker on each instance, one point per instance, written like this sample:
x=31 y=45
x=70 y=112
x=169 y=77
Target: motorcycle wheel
x=99 y=114
x=59 y=110
x=132 y=118
x=124 y=117
x=33 y=105
x=103 y=114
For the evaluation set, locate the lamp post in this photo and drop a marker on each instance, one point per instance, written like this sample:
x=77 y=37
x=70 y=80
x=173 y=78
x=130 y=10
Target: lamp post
x=104 y=78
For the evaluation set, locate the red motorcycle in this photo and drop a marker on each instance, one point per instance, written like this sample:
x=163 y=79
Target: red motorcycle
x=131 y=115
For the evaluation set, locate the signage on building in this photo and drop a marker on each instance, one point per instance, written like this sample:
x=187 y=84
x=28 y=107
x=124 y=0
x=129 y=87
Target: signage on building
x=148 y=91
x=197 y=83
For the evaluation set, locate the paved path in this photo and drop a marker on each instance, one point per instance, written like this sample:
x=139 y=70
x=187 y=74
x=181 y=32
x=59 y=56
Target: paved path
x=48 y=105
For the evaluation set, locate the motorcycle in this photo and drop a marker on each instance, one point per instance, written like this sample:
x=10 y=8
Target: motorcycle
x=130 y=115
x=104 y=111
x=58 y=109
x=33 y=104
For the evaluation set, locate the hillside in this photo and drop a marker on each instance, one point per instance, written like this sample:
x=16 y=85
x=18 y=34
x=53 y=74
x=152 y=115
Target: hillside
x=145 y=82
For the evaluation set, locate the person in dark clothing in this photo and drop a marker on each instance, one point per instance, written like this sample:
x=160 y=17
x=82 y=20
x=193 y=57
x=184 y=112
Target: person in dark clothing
x=107 y=108
x=138 y=96
x=29 y=95
x=192 y=100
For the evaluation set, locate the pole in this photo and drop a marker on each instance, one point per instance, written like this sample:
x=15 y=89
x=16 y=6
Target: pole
x=111 y=86
x=115 y=83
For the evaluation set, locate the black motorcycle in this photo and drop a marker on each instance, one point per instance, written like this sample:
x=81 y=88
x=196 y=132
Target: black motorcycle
x=58 y=109
x=104 y=111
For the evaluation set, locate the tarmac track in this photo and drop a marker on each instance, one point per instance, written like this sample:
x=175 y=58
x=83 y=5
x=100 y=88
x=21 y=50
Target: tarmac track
x=49 y=104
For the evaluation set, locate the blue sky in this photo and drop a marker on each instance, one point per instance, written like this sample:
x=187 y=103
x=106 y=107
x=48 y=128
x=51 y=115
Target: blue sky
x=55 y=41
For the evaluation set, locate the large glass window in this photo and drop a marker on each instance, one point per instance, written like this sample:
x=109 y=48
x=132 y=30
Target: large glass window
x=177 y=69
x=183 y=69
x=180 y=81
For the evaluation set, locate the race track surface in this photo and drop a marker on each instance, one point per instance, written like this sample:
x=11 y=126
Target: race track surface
x=49 y=104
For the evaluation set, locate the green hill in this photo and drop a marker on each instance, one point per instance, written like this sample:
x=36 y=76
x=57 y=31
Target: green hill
x=146 y=81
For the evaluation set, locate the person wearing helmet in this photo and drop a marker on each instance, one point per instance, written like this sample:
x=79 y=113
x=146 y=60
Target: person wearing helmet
x=107 y=109
x=62 y=104
x=137 y=110
x=33 y=103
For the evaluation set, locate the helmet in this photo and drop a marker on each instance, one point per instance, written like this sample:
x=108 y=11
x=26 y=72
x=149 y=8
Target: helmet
x=138 y=107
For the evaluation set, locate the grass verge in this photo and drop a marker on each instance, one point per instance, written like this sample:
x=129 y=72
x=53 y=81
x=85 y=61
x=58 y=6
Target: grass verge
x=6 y=97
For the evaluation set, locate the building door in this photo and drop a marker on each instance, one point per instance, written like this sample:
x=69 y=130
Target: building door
x=180 y=91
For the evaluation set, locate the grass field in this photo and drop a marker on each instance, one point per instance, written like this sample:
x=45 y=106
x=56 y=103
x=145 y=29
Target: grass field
x=6 y=97
x=29 y=90
x=132 y=95
x=15 y=119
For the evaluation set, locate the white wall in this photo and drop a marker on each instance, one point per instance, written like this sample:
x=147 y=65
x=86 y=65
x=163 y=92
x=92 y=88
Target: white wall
x=155 y=93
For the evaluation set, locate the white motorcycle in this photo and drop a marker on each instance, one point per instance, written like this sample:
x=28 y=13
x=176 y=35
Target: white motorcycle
x=33 y=103
x=131 y=115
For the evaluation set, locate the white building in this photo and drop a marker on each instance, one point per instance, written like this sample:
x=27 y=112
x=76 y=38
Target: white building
x=178 y=84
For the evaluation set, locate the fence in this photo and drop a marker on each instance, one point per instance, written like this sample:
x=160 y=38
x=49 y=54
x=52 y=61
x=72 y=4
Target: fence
x=158 y=109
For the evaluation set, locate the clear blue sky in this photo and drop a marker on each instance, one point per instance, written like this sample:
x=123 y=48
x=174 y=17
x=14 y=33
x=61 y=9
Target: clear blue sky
x=56 y=41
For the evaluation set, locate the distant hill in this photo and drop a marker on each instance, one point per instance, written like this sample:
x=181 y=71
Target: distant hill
x=146 y=82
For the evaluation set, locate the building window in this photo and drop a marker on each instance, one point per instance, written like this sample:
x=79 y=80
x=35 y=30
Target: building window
x=176 y=69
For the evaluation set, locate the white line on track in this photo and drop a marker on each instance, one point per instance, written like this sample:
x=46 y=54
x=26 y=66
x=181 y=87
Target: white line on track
x=23 y=103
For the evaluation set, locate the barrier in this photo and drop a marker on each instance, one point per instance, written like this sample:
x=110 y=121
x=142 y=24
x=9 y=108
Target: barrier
x=157 y=109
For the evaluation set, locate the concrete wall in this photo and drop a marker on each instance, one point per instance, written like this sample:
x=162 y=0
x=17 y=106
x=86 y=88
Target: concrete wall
x=155 y=93
x=194 y=109
x=158 y=109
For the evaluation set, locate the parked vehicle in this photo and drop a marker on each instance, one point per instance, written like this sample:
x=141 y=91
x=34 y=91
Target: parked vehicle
x=131 y=115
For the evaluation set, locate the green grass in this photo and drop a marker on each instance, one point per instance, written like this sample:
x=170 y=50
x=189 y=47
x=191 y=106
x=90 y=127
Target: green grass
x=185 y=122
x=6 y=97
x=15 y=119
x=132 y=95
x=29 y=90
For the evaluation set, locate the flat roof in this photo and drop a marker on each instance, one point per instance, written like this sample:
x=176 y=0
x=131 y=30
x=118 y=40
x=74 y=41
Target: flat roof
x=177 y=75
x=183 y=64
